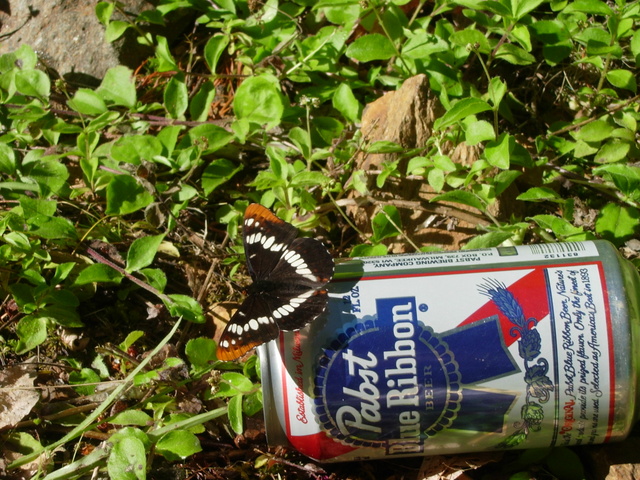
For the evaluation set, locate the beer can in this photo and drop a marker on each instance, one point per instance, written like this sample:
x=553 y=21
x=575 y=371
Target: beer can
x=439 y=353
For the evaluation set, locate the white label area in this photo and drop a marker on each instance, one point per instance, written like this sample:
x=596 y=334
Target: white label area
x=583 y=354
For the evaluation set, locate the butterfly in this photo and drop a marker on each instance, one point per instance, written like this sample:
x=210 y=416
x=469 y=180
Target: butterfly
x=289 y=275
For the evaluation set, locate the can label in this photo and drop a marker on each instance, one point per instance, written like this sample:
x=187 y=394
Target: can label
x=411 y=361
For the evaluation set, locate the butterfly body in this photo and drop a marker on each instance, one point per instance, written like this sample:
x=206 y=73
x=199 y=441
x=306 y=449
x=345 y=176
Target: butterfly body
x=287 y=292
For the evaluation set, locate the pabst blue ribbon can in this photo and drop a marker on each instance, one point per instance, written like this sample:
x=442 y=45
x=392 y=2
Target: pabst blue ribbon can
x=419 y=354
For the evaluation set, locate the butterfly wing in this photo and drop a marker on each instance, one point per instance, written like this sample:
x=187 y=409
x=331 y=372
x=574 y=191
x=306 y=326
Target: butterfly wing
x=265 y=237
x=251 y=325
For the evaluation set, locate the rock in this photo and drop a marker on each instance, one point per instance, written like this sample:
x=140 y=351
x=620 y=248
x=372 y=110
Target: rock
x=68 y=37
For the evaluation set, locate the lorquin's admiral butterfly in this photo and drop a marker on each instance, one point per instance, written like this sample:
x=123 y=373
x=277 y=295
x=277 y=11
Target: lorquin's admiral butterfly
x=288 y=275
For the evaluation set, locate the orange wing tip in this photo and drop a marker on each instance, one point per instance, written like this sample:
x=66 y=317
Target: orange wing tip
x=256 y=210
x=234 y=352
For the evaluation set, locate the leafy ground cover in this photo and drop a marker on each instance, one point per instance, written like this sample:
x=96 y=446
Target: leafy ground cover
x=120 y=205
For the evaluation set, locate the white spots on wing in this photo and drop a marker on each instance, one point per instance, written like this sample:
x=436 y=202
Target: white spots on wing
x=264 y=320
x=252 y=324
x=248 y=222
x=277 y=315
x=268 y=242
x=277 y=247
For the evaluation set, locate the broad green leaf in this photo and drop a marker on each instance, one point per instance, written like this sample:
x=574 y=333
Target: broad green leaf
x=98 y=272
x=7 y=159
x=470 y=36
x=302 y=140
x=87 y=102
x=50 y=175
x=132 y=417
x=594 y=7
x=33 y=206
x=371 y=47
x=477 y=131
x=103 y=11
x=218 y=172
x=178 y=445
x=613 y=151
x=115 y=30
x=540 y=194
x=127 y=460
x=623 y=79
x=142 y=252
x=487 y=240
x=497 y=90
x=460 y=110
x=498 y=152
x=559 y=226
x=232 y=383
x=258 y=100
x=118 y=87
x=84 y=375
x=34 y=83
x=213 y=49
x=209 y=138
x=635 y=46
x=625 y=177
x=386 y=224
x=595 y=131
x=125 y=195
x=49 y=227
x=346 y=103
x=176 y=98
x=514 y=54
x=186 y=307
x=31 y=331
x=618 y=223
x=460 y=196
x=130 y=339
x=368 y=250
x=136 y=148
x=200 y=351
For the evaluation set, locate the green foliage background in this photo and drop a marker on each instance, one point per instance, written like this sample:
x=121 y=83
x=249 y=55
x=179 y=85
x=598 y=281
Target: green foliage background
x=103 y=190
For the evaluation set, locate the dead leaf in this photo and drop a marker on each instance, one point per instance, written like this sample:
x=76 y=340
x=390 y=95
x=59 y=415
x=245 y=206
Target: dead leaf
x=17 y=395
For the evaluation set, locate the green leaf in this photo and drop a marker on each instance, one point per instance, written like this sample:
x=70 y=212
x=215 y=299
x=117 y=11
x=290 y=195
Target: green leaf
x=115 y=30
x=460 y=196
x=565 y=464
x=85 y=375
x=595 y=131
x=559 y=226
x=132 y=417
x=103 y=11
x=258 y=100
x=540 y=194
x=386 y=224
x=613 y=151
x=49 y=174
x=178 y=445
x=368 y=250
x=142 y=252
x=498 y=152
x=127 y=460
x=45 y=226
x=34 y=83
x=497 y=90
x=460 y=110
x=87 y=102
x=31 y=331
x=623 y=79
x=234 y=413
x=477 y=131
x=302 y=140
x=186 y=307
x=136 y=148
x=216 y=173
x=371 y=47
x=98 y=272
x=618 y=223
x=118 y=87
x=130 y=339
x=487 y=240
x=345 y=102
x=625 y=177
x=594 y=7
x=176 y=98
x=200 y=105
x=233 y=383
x=125 y=195
x=514 y=54
x=213 y=49
x=209 y=138
x=469 y=36
x=200 y=351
